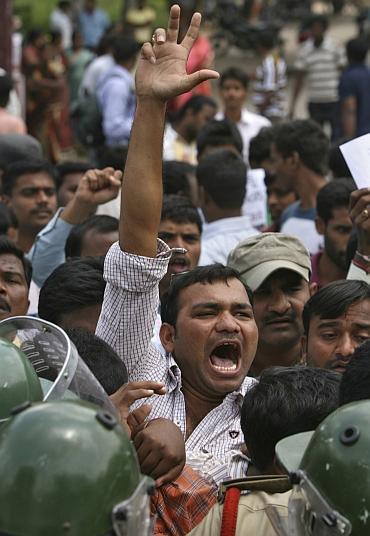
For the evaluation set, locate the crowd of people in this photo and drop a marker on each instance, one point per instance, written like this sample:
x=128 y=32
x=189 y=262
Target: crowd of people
x=184 y=305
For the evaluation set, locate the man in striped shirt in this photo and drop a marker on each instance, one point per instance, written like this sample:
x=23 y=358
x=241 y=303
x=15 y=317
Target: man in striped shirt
x=320 y=61
x=208 y=329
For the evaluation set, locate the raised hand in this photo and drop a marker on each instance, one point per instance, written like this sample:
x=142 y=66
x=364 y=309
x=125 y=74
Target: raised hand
x=99 y=186
x=161 y=72
x=360 y=216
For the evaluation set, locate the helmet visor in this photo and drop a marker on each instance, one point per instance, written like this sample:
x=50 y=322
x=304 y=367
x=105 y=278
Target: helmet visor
x=311 y=515
x=61 y=371
x=133 y=515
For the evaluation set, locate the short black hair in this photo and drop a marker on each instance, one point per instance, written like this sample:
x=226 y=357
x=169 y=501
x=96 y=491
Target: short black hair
x=285 y=401
x=234 y=73
x=125 y=48
x=335 y=194
x=201 y=274
x=101 y=359
x=196 y=103
x=179 y=209
x=7 y=247
x=334 y=300
x=65 y=168
x=306 y=138
x=355 y=384
x=318 y=18
x=75 y=284
x=266 y=39
x=6 y=85
x=13 y=171
x=337 y=164
x=100 y=223
x=260 y=147
x=218 y=133
x=222 y=173
x=7 y=219
x=357 y=50
x=175 y=177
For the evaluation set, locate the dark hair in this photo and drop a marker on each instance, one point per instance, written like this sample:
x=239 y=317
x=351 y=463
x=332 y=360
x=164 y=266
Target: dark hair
x=222 y=173
x=234 y=73
x=175 y=177
x=305 y=137
x=13 y=171
x=266 y=39
x=64 y=4
x=337 y=164
x=101 y=359
x=7 y=219
x=65 y=168
x=357 y=50
x=334 y=300
x=201 y=274
x=6 y=85
x=333 y=195
x=73 y=285
x=285 y=401
x=195 y=104
x=180 y=210
x=319 y=19
x=355 y=384
x=260 y=146
x=218 y=133
x=7 y=247
x=124 y=48
x=114 y=157
x=100 y=224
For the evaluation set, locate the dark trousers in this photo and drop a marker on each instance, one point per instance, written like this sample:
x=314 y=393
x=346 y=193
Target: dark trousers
x=323 y=113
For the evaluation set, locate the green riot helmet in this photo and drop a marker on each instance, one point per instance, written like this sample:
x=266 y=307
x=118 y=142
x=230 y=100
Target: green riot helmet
x=68 y=469
x=18 y=380
x=331 y=491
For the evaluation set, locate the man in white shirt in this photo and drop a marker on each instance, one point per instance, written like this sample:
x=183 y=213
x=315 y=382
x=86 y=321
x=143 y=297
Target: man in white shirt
x=60 y=20
x=221 y=177
x=233 y=93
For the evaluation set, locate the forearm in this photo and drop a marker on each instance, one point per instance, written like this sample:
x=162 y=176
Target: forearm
x=141 y=200
x=296 y=91
x=349 y=118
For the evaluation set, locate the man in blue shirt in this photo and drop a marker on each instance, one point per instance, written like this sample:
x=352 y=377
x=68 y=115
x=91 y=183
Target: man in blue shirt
x=354 y=91
x=93 y=23
x=115 y=93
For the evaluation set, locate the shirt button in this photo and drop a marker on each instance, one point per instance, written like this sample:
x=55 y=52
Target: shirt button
x=204 y=450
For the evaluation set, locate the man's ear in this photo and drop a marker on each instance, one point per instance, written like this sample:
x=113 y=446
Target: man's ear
x=167 y=334
x=320 y=225
x=313 y=288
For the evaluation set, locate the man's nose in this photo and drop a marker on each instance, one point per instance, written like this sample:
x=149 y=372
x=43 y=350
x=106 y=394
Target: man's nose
x=346 y=345
x=279 y=302
x=42 y=197
x=226 y=322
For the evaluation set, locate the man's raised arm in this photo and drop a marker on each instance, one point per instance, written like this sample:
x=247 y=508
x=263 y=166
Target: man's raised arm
x=161 y=75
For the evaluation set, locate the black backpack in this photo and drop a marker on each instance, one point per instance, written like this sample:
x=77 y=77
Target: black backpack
x=87 y=120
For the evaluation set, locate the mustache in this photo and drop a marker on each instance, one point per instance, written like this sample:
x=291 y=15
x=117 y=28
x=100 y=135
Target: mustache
x=272 y=317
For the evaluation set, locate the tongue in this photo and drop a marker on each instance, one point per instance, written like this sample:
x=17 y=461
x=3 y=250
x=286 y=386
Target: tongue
x=221 y=361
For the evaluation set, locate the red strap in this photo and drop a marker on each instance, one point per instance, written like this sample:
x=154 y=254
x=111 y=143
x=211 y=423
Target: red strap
x=230 y=512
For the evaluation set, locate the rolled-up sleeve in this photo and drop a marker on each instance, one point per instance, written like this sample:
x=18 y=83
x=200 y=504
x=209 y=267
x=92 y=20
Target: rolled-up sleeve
x=131 y=303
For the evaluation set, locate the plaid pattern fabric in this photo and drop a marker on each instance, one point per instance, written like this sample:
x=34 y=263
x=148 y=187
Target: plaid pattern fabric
x=181 y=505
x=126 y=322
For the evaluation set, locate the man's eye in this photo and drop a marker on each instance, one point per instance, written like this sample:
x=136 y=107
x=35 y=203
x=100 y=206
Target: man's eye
x=361 y=338
x=191 y=239
x=329 y=336
x=49 y=192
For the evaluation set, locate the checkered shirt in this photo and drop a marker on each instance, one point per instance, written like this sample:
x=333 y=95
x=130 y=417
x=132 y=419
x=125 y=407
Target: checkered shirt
x=126 y=323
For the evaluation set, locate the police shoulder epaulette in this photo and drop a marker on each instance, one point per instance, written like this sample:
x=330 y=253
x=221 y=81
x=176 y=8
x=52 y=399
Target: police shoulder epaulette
x=266 y=483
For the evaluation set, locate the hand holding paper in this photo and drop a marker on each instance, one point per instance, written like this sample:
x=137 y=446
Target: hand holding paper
x=356 y=153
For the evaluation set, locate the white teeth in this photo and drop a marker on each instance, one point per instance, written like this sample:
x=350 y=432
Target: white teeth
x=218 y=367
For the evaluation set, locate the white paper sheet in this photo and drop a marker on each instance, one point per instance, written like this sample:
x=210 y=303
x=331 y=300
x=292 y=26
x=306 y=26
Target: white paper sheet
x=356 y=153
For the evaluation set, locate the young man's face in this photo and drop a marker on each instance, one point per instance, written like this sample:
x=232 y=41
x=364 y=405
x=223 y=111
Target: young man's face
x=33 y=200
x=13 y=287
x=215 y=338
x=180 y=235
x=279 y=197
x=337 y=232
x=197 y=120
x=330 y=343
x=278 y=305
x=233 y=94
x=68 y=188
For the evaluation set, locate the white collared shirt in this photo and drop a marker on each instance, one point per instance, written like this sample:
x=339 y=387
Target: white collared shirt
x=176 y=148
x=221 y=236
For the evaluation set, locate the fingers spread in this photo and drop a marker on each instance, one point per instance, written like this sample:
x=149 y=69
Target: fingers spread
x=159 y=36
x=193 y=31
x=173 y=24
x=194 y=79
x=147 y=53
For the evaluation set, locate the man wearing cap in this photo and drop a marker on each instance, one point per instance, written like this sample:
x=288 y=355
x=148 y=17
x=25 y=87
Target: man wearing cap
x=277 y=268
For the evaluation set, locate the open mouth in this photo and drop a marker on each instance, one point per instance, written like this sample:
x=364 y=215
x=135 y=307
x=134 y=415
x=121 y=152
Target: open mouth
x=178 y=264
x=225 y=357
